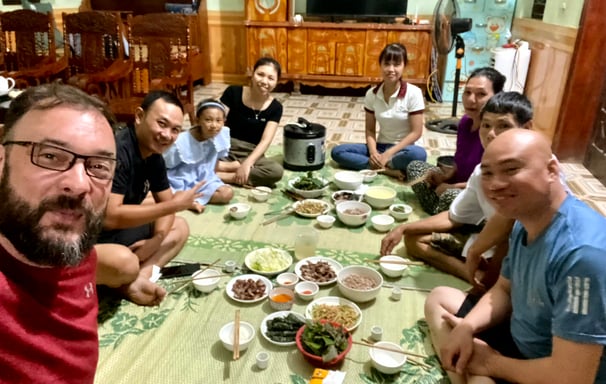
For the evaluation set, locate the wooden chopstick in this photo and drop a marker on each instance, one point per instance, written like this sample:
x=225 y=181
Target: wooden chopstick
x=208 y=277
x=408 y=354
x=278 y=217
x=388 y=285
x=236 y=354
x=395 y=262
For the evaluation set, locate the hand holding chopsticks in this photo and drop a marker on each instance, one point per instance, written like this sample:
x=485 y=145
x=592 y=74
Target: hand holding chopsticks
x=236 y=354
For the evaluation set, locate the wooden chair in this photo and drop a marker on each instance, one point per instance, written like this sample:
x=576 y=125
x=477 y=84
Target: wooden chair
x=94 y=45
x=163 y=58
x=29 y=49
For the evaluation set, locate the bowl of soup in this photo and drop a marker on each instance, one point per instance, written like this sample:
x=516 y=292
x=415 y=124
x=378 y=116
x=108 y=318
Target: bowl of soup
x=380 y=197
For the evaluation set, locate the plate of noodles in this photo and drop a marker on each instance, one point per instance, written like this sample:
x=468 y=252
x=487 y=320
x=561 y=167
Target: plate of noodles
x=335 y=309
x=311 y=207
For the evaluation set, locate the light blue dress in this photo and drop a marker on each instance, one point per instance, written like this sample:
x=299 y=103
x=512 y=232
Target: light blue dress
x=189 y=161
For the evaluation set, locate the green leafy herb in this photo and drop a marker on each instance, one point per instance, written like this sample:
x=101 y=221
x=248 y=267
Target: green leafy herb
x=324 y=339
x=308 y=183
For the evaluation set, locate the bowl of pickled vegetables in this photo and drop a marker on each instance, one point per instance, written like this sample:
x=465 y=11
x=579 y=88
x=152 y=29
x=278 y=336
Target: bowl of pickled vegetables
x=308 y=186
x=268 y=261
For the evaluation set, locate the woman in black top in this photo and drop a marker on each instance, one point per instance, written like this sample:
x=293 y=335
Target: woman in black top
x=253 y=119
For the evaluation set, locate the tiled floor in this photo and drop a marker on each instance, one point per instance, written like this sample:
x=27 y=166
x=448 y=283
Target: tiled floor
x=343 y=116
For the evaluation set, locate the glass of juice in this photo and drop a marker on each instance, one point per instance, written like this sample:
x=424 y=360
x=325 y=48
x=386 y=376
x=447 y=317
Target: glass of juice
x=306 y=243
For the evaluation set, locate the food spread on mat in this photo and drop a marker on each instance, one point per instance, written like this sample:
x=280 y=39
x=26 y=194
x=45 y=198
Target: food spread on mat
x=324 y=339
x=283 y=329
x=269 y=260
x=355 y=281
x=248 y=289
x=341 y=314
x=310 y=207
x=319 y=272
x=308 y=183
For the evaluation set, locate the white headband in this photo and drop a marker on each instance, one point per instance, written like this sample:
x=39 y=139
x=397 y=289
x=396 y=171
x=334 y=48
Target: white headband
x=209 y=104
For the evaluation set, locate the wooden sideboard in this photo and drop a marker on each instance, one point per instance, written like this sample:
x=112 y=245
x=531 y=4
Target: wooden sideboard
x=337 y=55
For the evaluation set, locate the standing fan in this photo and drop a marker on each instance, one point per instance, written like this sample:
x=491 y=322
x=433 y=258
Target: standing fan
x=445 y=35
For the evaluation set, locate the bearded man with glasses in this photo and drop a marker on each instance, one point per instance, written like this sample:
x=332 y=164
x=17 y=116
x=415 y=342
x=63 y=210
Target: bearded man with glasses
x=57 y=162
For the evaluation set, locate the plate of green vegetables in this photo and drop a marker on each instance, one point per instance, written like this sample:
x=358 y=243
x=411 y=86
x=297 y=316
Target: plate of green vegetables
x=280 y=328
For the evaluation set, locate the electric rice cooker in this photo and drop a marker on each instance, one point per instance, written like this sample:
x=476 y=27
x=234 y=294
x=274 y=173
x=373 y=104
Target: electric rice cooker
x=304 y=146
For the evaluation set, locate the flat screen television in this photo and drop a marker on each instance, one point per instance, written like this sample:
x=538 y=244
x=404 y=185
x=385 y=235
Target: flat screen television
x=356 y=9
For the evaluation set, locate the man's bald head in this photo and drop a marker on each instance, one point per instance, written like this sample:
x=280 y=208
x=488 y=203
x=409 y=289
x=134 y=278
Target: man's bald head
x=520 y=176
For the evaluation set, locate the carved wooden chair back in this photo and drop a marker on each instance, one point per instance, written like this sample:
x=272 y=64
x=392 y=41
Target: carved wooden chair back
x=94 y=42
x=161 y=50
x=29 y=47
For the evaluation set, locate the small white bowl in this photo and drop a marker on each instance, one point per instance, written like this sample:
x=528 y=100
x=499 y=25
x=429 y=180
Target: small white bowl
x=325 y=221
x=369 y=175
x=287 y=280
x=226 y=334
x=386 y=361
x=238 y=210
x=391 y=269
x=382 y=223
x=260 y=193
x=209 y=283
x=348 y=179
x=307 y=290
x=380 y=197
x=400 y=211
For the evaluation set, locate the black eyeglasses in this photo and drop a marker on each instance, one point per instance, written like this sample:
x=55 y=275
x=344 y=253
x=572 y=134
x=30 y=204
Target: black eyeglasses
x=58 y=159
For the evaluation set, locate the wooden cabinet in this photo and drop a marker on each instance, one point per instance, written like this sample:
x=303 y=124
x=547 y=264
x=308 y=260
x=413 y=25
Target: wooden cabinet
x=337 y=54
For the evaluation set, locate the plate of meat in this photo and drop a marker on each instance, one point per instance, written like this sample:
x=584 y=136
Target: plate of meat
x=248 y=288
x=320 y=270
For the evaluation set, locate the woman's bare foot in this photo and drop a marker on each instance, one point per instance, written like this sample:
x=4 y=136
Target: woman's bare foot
x=144 y=292
x=197 y=207
x=395 y=173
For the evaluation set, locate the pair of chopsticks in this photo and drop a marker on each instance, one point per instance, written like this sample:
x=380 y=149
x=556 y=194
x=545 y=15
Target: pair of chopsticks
x=293 y=195
x=410 y=356
x=248 y=186
x=279 y=217
x=396 y=262
x=236 y=354
x=387 y=285
x=186 y=282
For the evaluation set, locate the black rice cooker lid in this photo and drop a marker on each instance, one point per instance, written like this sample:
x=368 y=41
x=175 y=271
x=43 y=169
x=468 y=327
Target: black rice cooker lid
x=304 y=130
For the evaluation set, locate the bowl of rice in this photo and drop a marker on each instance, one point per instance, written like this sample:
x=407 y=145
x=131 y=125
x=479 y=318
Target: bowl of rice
x=359 y=283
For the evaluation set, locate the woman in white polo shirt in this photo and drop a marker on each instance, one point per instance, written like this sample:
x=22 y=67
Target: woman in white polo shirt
x=398 y=108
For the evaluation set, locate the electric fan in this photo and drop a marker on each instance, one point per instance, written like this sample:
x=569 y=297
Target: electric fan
x=445 y=35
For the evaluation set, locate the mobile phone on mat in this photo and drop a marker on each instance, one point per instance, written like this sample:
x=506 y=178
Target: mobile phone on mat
x=179 y=270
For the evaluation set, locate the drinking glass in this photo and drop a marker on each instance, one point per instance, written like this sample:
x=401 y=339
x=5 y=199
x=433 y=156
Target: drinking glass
x=306 y=243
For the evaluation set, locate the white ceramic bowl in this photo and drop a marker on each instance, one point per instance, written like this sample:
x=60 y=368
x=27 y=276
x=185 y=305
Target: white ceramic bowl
x=325 y=221
x=238 y=210
x=369 y=175
x=386 y=361
x=208 y=283
x=344 y=195
x=353 y=213
x=382 y=223
x=359 y=295
x=260 y=193
x=226 y=334
x=307 y=290
x=380 y=197
x=400 y=211
x=281 y=305
x=392 y=270
x=287 y=280
x=308 y=194
x=348 y=179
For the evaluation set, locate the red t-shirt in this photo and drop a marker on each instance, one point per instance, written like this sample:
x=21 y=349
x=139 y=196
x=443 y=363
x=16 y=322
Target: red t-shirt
x=48 y=322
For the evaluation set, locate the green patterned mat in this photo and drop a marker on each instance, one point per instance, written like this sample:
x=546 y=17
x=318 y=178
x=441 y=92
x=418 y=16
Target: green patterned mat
x=178 y=342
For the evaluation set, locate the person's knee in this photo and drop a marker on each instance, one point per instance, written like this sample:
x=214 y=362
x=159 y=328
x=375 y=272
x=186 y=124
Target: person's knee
x=117 y=265
x=435 y=301
x=222 y=195
x=413 y=245
x=267 y=174
x=180 y=231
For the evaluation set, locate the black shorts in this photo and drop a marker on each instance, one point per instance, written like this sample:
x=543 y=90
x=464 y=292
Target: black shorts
x=498 y=337
x=126 y=236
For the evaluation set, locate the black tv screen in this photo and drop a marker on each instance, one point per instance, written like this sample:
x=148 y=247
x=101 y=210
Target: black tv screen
x=356 y=8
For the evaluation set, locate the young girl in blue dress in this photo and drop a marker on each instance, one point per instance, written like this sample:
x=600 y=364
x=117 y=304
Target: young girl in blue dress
x=195 y=153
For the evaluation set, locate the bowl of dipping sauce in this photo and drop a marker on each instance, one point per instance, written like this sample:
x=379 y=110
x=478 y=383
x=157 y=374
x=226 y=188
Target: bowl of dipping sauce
x=287 y=280
x=307 y=290
x=281 y=299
